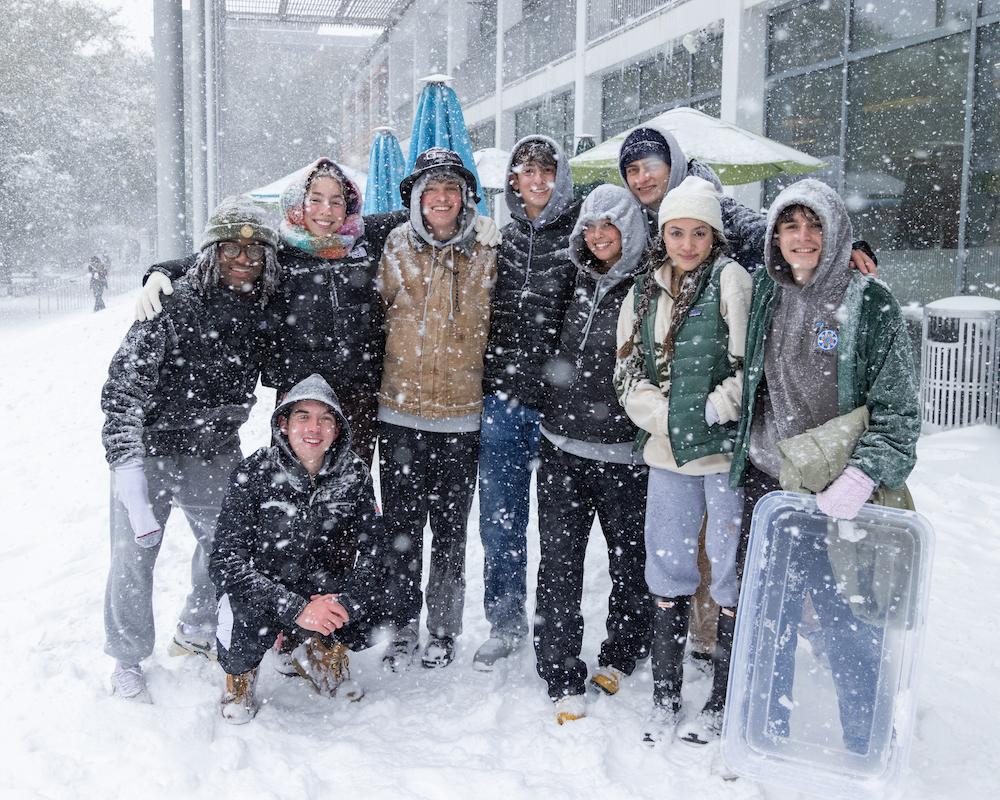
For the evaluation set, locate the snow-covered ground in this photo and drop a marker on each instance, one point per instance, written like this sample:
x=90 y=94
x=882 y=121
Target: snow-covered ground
x=453 y=733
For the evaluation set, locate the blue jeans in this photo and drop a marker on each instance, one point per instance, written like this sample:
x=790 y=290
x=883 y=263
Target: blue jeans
x=508 y=451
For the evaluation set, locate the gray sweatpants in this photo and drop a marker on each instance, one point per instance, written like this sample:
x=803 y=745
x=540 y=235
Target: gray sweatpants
x=675 y=506
x=197 y=486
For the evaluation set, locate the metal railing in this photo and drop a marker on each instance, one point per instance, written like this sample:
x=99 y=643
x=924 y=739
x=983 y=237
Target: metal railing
x=59 y=295
x=544 y=35
x=604 y=16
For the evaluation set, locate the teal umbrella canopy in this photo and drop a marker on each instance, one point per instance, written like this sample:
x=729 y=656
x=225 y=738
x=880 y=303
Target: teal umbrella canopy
x=385 y=171
x=439 y=122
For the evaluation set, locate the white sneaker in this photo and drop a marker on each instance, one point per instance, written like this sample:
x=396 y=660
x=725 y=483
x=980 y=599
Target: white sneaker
x=570 y=707
x=190 y=640
x=494 y=649
x=128 y=683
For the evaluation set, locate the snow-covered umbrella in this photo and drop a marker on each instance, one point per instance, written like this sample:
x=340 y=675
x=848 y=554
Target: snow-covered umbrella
x=491 y=162
x=385 y=171
x=270 y=195
x=736 y=154
x=439 y=122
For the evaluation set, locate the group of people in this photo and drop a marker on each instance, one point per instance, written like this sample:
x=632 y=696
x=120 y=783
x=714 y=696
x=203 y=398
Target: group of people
x=646 y=350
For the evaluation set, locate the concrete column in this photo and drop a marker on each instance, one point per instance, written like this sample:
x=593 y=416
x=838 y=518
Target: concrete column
x=168 y=59
x=211 y=106
x=196 y=55
x=580 y=74
x=498 y=88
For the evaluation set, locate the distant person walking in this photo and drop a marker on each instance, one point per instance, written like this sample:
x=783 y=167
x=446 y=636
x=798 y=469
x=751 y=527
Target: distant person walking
x=98 y=273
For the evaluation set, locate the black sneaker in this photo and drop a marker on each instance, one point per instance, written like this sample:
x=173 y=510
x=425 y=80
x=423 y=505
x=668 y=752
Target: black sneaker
x=440 y=652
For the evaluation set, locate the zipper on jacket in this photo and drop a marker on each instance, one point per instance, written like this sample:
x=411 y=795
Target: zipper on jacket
x=527 y=266
x=333 y=288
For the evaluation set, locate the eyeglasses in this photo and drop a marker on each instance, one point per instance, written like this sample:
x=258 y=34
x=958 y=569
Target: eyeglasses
x=254 y=252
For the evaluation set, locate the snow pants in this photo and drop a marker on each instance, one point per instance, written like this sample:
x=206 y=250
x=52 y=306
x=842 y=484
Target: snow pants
x=508 y=451
x=675 y=507
x=852 y=646
x=245 y=635
x=427 y=474
x=197 y=485
x=571 y=492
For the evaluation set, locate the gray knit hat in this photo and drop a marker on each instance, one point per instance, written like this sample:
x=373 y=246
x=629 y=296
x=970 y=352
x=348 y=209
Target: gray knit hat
x=238 y=217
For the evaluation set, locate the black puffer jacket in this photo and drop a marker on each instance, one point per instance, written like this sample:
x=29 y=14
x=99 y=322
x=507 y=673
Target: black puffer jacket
x=534 y=287
x=581 y=402
x=284 y=535
x=184 y=382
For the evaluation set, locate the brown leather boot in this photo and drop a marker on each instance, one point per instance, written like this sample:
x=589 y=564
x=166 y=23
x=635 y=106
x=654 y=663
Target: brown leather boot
x=326 y=669
x=238 y=703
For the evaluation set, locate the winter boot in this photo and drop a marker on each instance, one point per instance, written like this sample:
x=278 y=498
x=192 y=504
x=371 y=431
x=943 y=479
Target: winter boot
x=570 y=707
x=670 y=630
x=493 y=650
x=238 y=703
x=607 y=679
x=190 y=640
x=440 y=652
x=128 y=683
x=399 y=653
x=326 y=668
x=707 y=726
x=662 y=721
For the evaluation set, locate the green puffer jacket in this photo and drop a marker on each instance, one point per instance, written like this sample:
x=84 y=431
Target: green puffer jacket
x=875 y=369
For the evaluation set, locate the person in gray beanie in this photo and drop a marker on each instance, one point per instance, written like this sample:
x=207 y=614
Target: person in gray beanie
x=178 y=389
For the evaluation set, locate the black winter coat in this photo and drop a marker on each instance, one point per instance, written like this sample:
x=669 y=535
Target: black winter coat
x=283 y=536
x=582 y=403
x=534 y=287
x=183 y=383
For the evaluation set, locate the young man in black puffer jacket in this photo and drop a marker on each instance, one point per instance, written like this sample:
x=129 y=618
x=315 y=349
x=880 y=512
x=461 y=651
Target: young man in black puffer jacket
x=534 y=287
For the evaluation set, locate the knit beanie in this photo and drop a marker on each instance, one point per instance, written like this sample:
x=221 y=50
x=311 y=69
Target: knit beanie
x=695 y=198
x=643 y=143
x=237 y=217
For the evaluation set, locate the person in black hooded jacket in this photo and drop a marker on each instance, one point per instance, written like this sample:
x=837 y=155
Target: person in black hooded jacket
x=295 y=552
x=534 y=287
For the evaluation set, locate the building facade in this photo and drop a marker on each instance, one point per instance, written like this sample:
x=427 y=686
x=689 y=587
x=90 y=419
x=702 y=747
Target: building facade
x=898 y=97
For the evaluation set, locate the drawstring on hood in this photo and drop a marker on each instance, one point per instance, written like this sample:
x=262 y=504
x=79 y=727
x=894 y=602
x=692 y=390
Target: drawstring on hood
x=312 y=388
x=562 y=192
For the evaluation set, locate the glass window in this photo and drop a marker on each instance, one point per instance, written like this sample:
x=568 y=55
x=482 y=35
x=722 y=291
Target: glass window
x=483 y=135
x=805 y=34
x=711 y=106
x=802 y=112
x=905 y=131
x=983 y=222
x=990 y=7
x=876 y=21
x=706 y=66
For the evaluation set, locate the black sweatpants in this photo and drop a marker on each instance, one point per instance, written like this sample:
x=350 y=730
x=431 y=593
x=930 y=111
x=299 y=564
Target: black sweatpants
x=571 y=491
x=425 y=474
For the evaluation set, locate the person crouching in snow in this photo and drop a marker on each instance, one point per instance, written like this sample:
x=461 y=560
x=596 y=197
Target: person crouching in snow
x=822 y=343
x=680 y=335
x=178 y=390
x=436 y=281
x=587 y=467
x=294 y=552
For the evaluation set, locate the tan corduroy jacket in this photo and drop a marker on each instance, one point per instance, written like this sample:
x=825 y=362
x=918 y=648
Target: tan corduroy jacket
x=437 y=320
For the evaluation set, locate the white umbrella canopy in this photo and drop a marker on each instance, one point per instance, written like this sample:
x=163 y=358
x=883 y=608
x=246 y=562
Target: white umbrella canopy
x=491 y=163
x=271 y=194
x=736 y=154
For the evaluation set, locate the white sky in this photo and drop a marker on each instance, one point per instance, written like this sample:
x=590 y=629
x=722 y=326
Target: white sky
x=136 y=16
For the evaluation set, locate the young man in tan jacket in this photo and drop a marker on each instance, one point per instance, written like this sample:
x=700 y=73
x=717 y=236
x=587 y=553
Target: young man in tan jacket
x=436 y=282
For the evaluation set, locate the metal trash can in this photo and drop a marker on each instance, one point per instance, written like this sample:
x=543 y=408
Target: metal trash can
x=960 y=363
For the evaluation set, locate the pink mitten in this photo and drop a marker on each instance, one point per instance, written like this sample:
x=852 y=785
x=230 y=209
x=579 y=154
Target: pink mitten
x=844 y=497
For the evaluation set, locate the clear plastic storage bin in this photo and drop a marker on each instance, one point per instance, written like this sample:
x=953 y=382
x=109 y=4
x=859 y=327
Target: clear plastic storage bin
x=828 y=635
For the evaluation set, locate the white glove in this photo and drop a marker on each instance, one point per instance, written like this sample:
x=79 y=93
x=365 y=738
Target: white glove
x=711 y=414
x=132 y=490
x=147 y=304
x=487 y=232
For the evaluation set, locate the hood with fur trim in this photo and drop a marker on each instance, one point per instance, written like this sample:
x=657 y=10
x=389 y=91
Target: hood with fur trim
x=562 y=191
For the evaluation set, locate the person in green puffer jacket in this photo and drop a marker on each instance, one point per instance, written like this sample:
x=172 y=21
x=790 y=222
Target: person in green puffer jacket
x=681 y=332
x=821 y=342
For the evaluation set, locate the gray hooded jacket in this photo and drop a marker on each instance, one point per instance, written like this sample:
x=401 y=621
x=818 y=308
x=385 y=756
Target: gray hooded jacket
x=582 y=414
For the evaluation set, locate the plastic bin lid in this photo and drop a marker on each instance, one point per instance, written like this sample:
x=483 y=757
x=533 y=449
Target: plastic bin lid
x=828 y=633
x=964 y=302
